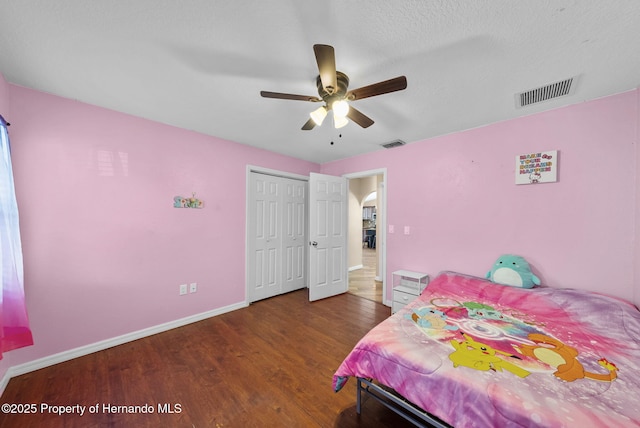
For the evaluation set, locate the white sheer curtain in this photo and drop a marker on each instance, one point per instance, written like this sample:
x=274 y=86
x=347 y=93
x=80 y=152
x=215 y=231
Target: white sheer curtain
x=14 y=323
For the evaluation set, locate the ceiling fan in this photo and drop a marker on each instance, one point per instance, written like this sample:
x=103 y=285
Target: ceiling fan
x=333 y=91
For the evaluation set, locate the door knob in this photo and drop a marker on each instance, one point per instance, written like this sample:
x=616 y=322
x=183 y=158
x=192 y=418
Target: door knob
x=313 y=243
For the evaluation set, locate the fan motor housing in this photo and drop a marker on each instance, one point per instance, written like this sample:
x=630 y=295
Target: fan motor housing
x=343 y=83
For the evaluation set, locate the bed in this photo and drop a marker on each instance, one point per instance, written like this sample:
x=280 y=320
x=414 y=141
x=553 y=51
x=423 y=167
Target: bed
x=472 y=353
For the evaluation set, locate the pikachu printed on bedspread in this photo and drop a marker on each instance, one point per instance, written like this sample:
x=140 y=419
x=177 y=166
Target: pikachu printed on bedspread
x=480 y=356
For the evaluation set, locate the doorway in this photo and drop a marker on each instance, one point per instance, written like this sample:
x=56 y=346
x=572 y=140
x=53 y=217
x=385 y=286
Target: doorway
x=296 y=234
x=366 y=230
x=327 y=263
x=276 y=234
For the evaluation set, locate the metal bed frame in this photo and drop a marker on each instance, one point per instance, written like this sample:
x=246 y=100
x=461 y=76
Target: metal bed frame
x=408 y=411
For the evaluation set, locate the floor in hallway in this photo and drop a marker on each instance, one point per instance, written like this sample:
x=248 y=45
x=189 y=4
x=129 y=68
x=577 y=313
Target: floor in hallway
x=362 y=282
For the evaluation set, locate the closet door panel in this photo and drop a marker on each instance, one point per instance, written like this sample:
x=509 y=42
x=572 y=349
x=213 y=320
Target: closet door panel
x=277 y=236
x=266 y=239
x=294 y=240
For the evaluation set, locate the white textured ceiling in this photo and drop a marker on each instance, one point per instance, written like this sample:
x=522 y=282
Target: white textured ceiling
x=200 y=64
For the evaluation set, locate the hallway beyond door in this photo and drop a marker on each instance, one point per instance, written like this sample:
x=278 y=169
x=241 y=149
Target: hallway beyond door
x=362 y=282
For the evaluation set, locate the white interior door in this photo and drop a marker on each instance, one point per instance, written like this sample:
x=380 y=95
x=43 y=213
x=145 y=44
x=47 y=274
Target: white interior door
x=294 y=234
x=328 y=268
x=265 y=256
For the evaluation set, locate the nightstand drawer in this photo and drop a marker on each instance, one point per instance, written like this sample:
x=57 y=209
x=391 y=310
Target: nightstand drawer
x=403 y=296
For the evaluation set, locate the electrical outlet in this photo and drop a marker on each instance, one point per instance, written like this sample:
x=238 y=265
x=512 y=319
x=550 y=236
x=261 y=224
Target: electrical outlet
x=183 y=289
x=193 y=287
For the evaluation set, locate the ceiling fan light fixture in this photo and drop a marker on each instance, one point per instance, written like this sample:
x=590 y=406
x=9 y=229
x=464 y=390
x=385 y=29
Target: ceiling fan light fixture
x=333 y=91
x=318 y=115
x=340 y=108
x=339 y=121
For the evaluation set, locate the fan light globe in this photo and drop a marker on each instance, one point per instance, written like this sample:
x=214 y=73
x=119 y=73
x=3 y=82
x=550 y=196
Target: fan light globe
x=340 y=108
x=318 y=115
x=339 y=121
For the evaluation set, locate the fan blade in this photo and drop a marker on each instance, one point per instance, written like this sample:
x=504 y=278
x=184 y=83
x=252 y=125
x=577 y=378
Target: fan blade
x=391 y=85
x=309 y=125
x=280 y=95
x=326 y=59
x=358 y=117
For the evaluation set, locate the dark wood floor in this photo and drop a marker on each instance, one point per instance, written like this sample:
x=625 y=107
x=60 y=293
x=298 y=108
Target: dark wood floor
x=268 y=365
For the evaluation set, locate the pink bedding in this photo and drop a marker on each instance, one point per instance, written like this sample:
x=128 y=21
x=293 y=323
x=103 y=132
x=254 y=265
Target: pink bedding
x=477 y=354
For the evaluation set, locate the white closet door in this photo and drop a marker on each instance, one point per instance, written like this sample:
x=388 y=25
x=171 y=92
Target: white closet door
x=276 y=236
x=294 y=232
x=265 y=257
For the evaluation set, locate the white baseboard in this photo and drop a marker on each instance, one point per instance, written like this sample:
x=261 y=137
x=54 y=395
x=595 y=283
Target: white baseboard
x=60 y=357
x=355 y=267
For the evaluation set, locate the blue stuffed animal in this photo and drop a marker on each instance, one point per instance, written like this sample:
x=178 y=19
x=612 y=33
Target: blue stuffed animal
x=513 y=270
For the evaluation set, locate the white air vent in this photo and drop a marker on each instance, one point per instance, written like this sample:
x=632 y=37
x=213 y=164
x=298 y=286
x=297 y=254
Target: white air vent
x=553 y=90
x=394 y=143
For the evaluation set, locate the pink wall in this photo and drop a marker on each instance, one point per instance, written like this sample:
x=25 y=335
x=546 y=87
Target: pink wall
x=104 y=249
x=457 y=195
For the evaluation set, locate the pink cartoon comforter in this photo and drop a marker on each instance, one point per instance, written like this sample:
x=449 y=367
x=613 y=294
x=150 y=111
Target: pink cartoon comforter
x=477 y=354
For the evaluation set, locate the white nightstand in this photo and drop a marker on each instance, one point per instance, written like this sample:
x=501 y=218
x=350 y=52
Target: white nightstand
x=407 y=286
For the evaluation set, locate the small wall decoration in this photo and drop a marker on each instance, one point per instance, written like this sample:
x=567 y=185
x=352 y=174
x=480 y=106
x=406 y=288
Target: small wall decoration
x=192 y=202
x=539 y=167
